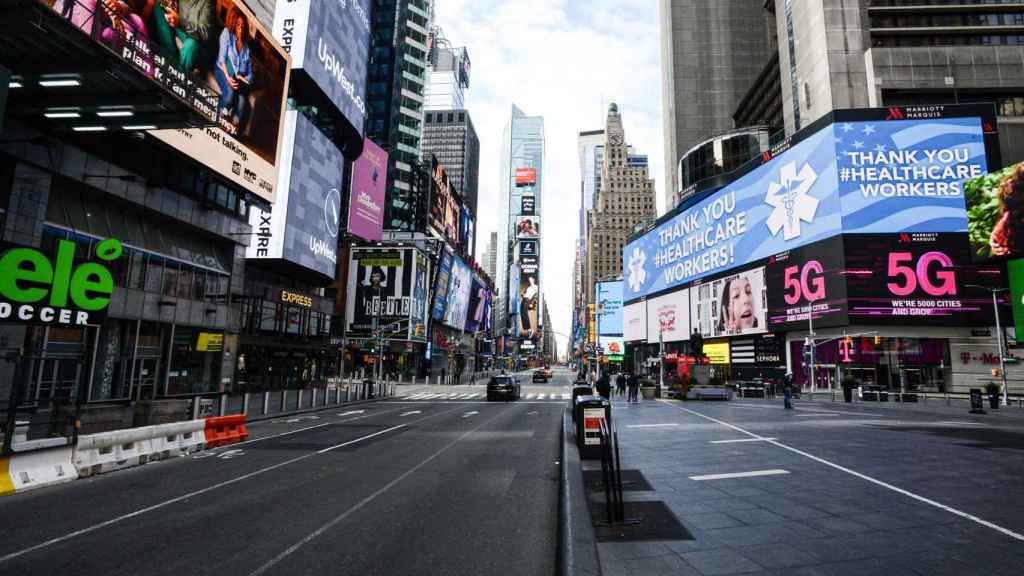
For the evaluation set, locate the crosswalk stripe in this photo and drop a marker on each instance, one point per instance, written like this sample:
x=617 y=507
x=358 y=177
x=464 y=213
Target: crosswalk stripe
x=541 y=396
x=477 y=395
x=531 y=396
x=566 y=396
x=416 y=396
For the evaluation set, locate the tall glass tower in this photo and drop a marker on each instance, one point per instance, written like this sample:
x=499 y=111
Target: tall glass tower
x=520 y=230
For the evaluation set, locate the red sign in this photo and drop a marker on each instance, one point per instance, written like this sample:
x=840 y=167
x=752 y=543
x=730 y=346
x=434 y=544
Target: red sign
x=526 y=176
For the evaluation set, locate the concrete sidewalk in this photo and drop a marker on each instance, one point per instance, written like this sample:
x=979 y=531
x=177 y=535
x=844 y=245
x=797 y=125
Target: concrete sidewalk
x=838 y=489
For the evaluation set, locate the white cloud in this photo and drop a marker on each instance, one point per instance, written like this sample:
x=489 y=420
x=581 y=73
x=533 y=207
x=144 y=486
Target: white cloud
x=564 y=61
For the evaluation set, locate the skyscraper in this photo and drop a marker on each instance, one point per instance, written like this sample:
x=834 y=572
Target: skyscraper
x=519 y=241
x=450 y=135
x=490 y=263
x=711 y=51
x=449 y=74
x=396 y=81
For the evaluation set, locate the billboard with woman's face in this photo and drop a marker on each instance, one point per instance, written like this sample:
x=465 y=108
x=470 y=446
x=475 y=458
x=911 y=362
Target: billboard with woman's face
x=995 y=213
x=731 y=305
x=527 y=227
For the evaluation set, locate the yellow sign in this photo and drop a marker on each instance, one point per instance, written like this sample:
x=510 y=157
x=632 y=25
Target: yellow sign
x=210 y=342
x=592 y=332
x=293 y=298
x=717 y=353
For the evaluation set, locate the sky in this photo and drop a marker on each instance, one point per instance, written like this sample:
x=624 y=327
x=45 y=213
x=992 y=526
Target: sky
x=566 y=61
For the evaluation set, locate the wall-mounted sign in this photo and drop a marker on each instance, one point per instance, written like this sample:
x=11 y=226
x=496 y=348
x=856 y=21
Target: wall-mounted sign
x=717 y=353
x=210 y=342
x=369 y=184
x=526 y=176
x=528 y=205
x=299 y=299
x=38 y=289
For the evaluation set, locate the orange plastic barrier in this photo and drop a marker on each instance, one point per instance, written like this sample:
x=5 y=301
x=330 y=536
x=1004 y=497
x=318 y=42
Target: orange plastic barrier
x=224 y=430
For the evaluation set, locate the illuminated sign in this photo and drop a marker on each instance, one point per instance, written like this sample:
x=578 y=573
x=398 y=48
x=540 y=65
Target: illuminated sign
x=210 y=342
x=293 y=298
x=526 y=176
x=717 y=353
x=37 y=290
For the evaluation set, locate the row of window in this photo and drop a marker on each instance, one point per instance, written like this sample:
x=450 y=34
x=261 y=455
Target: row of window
x=949 y=40
x=268 y=316
x=140 y=270
x=945 y=20
x=903 y=3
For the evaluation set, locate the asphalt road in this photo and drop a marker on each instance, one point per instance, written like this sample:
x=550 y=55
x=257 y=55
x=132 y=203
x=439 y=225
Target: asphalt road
x=391 y=487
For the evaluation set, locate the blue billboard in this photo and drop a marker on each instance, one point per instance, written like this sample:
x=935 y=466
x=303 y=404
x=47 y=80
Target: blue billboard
x=868 y=176
x=444 y=273
x=610 y=319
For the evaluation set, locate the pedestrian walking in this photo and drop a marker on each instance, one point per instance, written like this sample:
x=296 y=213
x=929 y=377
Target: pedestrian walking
x=634 y=388
x=620 y=384
x=604 y=386
x=787 y=391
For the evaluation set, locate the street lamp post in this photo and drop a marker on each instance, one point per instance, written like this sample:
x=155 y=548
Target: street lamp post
x=999 y=335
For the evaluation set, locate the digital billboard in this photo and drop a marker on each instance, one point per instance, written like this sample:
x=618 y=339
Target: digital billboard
x=995 y=213
x=610 y=294
x=513 y=299
x=526 y=176
x=528 y=205
x=926 y=279
x=329 y=42
x=613 y=347
x=527 y=226
x=798 y=280
x=420 y=303
x=369 y=186
x=445 y=209
x=444 y=272
x=302 y=226
x=477 y=303
x=871 y=176
x=528 y=248
x=466 y=230
x=1015 y=270
x=528 y=297
x=230 y=54
x=458 y=294
x=380 y=287
x=668 y=317
x=634 y=322
x=730 y=305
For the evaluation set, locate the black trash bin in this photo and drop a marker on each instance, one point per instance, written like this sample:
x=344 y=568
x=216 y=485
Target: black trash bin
x=590 y=411
x=580 y=389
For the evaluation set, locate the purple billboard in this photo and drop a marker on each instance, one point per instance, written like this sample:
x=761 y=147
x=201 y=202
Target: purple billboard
x=366 y=202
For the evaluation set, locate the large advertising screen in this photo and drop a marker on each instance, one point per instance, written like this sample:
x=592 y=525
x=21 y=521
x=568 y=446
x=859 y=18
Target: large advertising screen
x=458 y=294
x=526 y=176
x=668 y=317
x=380 y=287
x=1015 y=270
x=528 y=226
x=444 y=204
x=329 y=41
x=918 y=279
x=634 y=322
x=995 y=213
x=528 y=205
x=230 y=54
x=527 y=307
x=444 y=273
x=613 y=347
x=302 y=226
x=610 y=294
x=420 y=303
x=806 y=278
x=852 y=176
x=477 y=302
x=369 y=186
x=730 y=305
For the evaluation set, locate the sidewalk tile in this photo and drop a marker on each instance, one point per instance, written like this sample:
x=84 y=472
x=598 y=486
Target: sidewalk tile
x=720 y=562
x=756 y=516
x=631 y=550
x=668 y=565
x=778 y=555
x=838 y=526
x=709 y=521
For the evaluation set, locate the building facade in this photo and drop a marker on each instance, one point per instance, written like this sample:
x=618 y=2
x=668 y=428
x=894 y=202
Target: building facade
x=449 y=134
x=711 y=52
x=490 y=262
x=449 y=74
x=626 y=198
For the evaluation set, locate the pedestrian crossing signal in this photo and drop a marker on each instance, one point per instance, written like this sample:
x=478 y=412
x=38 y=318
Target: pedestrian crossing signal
x=878 y=339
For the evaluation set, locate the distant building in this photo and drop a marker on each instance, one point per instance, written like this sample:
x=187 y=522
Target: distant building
x=450 y=135
x=449 y=74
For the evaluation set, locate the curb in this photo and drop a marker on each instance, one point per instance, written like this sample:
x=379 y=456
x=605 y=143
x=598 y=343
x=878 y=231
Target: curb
x=577 y=546
x=264 y=417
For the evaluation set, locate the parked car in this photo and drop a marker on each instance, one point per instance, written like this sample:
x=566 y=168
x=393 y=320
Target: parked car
x=540 y=375
x=504 y=387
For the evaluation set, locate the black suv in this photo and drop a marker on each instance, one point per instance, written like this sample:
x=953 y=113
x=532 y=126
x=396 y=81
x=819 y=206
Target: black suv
x=506 y=387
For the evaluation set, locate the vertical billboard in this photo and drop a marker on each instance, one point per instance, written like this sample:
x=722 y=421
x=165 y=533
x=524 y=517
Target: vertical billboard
x=380 y=288
x=730 y=305
x=231 y=55
x=854 y=177
x=668 y=317
x=444 y=273
x=526 y=177
x=634 y=322
x=302 y=226
x=613 y=347
x=477 y=302
x=420 y=300
x=527 y=227
x=610 y=318
x=926 y=279
x=369 y=185
x=445 y=208
x=528 y=311
x=459 y=288
x=995 y=213
x=330 y=43
x=812 y=277
x=528 y=205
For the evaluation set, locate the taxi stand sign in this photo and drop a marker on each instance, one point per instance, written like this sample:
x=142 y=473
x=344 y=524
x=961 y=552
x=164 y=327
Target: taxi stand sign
x=38 y=289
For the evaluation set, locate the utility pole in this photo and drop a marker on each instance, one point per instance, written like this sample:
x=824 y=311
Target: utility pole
x=999 y=336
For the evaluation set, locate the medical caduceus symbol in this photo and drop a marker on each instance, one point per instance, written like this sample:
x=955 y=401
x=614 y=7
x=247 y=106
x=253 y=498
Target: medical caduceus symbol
x=791 y=200
x=637 y=274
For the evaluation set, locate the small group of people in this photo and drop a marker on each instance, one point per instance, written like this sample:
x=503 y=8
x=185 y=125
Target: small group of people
x=624 y=384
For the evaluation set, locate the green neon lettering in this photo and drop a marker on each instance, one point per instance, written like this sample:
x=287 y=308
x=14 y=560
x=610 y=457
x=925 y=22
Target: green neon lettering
x=14 y=274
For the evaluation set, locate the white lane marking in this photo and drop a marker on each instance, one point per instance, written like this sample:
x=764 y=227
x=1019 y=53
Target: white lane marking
x=192 y=494
x=740 y=440
x=818 y=414
x=296 y=431
x=468 y=414
x=404 y=414
x=865 y=477
x=652 y=425
x=532 y=412
x=729 y=475
x=417 y=396
x=343 y=444
x=341 y=517
x=477 y=395
x=350 y=412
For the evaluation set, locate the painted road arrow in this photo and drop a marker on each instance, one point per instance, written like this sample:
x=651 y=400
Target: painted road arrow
x=411 y=412
x=468 y=414
x=350 y=412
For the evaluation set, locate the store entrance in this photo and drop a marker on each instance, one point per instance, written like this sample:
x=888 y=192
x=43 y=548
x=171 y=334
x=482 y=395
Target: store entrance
x=144 y=377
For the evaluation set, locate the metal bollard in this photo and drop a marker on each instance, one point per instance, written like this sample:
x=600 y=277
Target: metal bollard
x=266 y=402
x=223 y=405
x=245 y=403
x=284 y=400
x=298 y=403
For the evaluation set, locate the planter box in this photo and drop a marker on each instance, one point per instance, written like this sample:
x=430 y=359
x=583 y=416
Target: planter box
x=648 y=393
x=709 y=393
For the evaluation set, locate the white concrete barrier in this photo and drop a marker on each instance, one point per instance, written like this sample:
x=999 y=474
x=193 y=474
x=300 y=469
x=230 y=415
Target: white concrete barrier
x=32 y=470
x=178 y=438
x=115 y=450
